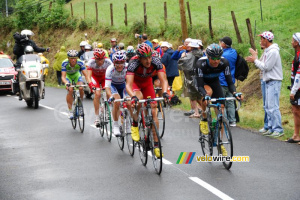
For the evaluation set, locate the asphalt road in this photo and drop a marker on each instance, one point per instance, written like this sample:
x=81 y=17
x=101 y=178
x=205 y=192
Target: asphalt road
x=42 y=157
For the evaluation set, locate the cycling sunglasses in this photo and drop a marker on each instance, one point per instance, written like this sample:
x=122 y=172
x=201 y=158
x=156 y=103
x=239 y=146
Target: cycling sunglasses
x=215 y=58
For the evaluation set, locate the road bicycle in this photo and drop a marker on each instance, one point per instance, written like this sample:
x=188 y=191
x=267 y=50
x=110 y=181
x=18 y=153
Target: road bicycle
x=147 y=143
x=78 y=112
x=219 y=134
x=123 y=117
x=105 y=115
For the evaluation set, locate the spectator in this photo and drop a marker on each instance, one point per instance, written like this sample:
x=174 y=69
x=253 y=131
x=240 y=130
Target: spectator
x=44 y=60
x=181 y=49
x=144 y=39
x=187 y=64
x=60 y=56
x=157 y=47
x=295 y=89
x=100 y=46
x=114 y=47
x=272 y=75
x=231 y=55
x=170 y=64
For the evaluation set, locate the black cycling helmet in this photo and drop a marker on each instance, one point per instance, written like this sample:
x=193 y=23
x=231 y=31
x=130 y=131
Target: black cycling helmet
x=214 y=51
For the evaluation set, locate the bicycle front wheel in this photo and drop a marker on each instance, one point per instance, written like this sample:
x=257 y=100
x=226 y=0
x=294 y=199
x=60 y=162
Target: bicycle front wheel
x=225 y=145
x=161 y=118
x=108 y=121
x=155 y=146
x=206 y=142
x=129 y=140
x=74 y=120
x=80 y=116
x=143 y=144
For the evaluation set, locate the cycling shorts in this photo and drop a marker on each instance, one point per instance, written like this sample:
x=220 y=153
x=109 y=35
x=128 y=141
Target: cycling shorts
x=217 y=90
x=145 y=86
x=76 y=77
x=97 y=80
x=119 y=89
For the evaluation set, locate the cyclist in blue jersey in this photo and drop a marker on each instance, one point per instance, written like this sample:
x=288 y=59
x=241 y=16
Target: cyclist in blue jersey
x=71 y=69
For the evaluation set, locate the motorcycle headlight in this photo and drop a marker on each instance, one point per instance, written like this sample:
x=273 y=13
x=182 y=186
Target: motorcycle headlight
x=33 y=74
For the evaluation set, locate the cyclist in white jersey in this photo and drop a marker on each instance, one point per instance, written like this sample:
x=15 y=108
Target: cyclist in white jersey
x=116 y=88
x=96 y=68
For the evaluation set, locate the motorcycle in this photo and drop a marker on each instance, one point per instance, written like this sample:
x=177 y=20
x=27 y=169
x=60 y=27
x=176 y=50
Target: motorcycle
x=31 y=76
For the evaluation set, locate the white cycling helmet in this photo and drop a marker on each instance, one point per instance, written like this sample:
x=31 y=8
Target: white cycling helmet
x=28 y=50
x=83 y=43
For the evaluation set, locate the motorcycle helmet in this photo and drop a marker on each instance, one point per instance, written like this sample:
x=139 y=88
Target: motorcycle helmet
x=83 y=43
x=28 y=50
x=27 y=33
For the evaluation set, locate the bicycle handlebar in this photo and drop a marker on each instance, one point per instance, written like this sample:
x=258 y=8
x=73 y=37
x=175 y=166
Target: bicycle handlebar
x=155 y=99
x=77 y=86
x=122 y=100
x=228 y=99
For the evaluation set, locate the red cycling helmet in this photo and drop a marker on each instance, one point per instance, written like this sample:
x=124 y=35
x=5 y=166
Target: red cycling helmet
x=99 y=53
x=144 y=50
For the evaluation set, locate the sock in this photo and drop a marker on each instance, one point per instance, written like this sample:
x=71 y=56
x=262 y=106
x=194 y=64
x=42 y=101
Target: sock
x=116 y=123
x=134 y=123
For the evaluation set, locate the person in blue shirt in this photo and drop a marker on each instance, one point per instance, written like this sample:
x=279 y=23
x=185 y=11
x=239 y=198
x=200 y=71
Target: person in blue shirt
x=229 y=54
x=144 y=39
x=181 y=49
x=170 y=64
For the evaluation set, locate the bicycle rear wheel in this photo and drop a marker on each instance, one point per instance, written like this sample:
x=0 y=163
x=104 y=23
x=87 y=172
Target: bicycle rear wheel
x=80 y=116
x=102 y=127
x=108 y=121
x=225 y=140
x=144 y=142
x=161 y=118
x=129 y=140
x=157 y=161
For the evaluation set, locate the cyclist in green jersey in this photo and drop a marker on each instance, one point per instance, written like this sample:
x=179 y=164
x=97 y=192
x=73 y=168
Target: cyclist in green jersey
x=71 y=69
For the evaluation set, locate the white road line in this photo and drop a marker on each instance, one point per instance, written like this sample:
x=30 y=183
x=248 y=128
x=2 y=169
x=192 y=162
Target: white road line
x=47 y=107
x=64 y=113
x=211 y=188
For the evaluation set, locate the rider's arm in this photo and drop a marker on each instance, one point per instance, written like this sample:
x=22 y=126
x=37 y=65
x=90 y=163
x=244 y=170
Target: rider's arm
x=36 y=48
x=129 y=83
x=163 y=80
x=63 y=77
x=108 y=79
x=85 y=73
x=89 y=76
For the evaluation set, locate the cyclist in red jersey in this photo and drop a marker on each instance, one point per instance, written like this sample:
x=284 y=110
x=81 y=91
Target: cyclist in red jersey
x=96 y=68
x=139 y=84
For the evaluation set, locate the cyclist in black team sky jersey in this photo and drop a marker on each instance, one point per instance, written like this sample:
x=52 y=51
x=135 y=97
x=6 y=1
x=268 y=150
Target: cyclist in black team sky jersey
x=207 y=72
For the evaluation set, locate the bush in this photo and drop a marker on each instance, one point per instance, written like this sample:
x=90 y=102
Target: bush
x=82 y=25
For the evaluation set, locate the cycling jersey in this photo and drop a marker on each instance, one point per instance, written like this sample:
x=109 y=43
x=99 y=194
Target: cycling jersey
x=73 y=74
x=115 y=77
x=98 y=72
x=143 y=76
x=205 y=74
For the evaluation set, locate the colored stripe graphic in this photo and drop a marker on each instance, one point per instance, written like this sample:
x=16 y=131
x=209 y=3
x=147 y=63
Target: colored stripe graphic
x=185 y=157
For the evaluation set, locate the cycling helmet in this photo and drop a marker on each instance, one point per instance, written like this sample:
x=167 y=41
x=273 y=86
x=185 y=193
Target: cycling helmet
x=144 y=50
x=100 y=45
x=130 y=47
x=28 y=50
x=72 y=53
x=214 y=51
x=83 y=43
x=155 y=54
x=99 y=53
x=119 y=56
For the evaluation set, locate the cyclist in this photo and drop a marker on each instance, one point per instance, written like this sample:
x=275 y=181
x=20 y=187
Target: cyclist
x=139 y=84
x=207 y=72
x=116 y=88
x=130 y=53
x=96 y=68
x=71 y=69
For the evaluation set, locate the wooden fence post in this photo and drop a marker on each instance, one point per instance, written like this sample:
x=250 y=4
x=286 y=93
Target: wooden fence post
x=183 y=20
x=96 y=6
x=50 y=5
x=166 y=13
x=71 y=10
x=250 y=34
x=111 y=15
x=238 y=35
x=189 y=11
x=125 y=9
x=84 y=10
x=145 y=15
x=209 y=23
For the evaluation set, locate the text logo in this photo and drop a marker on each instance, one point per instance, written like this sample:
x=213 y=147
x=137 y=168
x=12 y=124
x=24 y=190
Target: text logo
x=185 y=158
